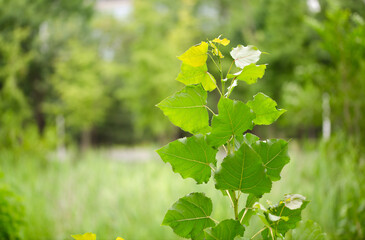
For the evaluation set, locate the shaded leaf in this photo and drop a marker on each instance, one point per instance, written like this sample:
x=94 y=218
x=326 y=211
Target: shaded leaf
x=249 y=73
x=288 y=218
x=247 y=212
x=227 y=230
x=265 y=109
x=194 y=75
x=190 y=157
x=190 y=215
x=244 y=56
x=186 y=109
x=234 y=118
x=274 y=155
x=195 y=56
x=243 y=170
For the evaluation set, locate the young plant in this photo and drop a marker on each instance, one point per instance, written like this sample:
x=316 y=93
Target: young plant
x=250 y=165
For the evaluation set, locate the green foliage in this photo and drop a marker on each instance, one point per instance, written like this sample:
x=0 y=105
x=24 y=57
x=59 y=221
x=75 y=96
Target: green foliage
x=11 y=213
x=190 y=215
x=227 y=229
x=265 y=109
x=187 y=109
x=191 y=157
x=250 y=165
x=233 y=119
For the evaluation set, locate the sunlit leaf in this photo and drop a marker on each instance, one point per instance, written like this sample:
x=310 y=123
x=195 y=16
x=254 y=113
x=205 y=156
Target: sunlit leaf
x=234 y=118
x=223 y=41
x=190 y=215
x=274 y=155
x=243 y=171
x=186 y=109
x=195 y=56
x=215 y=50
x=195 y=75
x=227 y=230
x=265 y=109
x=244 y=56
x=190 y=157
x=249 y=73
x=85 y=236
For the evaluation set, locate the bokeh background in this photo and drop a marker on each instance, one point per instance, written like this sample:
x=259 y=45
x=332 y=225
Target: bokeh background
x=79 y=81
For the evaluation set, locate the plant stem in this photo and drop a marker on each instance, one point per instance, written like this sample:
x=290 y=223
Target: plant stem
x=258 y=233
x=210 y=109
x=229 y=69
x=244 y=214
x=214 y=62
x=219 y=71
x=232 y=195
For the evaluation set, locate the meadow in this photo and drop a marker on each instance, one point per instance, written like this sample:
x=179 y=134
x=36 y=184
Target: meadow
x=94 y=193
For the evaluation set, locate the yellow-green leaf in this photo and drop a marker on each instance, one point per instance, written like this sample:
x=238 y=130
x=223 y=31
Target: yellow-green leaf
x=215 y=50
x=86 y=236
x=195 y=56
x=194 y=75
x=223 y=41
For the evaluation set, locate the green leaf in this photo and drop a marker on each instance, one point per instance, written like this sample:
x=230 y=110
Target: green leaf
x=249 y=73
x=190 y=157
x=274 y=155
x=190 y=215
x=247 y=210
x=288 y=217
x=227 y=230
x=195 y=56
x=265 y=109
x=186 y=109
x=195 y=75
x=234 y=118
x=243 y=170
x=250 y=138
x=244 y=56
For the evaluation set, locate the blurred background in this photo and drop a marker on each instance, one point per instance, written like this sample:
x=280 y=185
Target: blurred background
x=78 y=126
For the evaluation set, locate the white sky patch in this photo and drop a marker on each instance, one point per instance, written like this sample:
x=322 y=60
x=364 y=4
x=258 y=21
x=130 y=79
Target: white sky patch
x=314 y=6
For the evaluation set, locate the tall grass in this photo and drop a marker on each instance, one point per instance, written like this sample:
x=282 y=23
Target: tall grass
x=129 y=199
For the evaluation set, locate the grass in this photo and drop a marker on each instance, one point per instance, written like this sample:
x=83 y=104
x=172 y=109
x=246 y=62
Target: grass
x=115 y=198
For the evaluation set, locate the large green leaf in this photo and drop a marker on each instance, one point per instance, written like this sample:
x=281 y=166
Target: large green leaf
x=190 y=215
x=274 y=155
x=194 y=75
x=227 y=230
x=186 y=109
x=249 y=73
x=243 y=170
x=195 y=56
x=265 y=109
x=234 y=118
x=190 y=157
